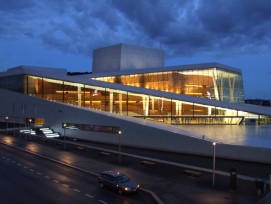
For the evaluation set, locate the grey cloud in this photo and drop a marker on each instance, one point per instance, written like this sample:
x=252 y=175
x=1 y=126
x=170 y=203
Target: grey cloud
x=153 y=17
x=182 y=27
x=189 y=28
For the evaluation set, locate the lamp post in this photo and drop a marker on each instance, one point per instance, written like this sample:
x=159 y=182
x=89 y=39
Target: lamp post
x=64 y=126
x=214 y=152
x=7 y=123
x=30 y=121
x=119 y=134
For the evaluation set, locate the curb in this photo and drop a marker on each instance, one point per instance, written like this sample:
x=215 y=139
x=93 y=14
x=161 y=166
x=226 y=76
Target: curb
x=154 y=196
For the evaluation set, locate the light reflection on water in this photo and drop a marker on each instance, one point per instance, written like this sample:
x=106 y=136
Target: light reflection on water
x=250 y=135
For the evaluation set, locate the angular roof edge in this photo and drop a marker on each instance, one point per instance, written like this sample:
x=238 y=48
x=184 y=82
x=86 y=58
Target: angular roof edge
x=23 y=69
x=170 y=68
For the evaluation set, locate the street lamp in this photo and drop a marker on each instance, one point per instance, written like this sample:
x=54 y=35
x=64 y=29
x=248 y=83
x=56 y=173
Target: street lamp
x=64 y=126
x=7 y=123
x=119 y=133
x=214 y=146
x=30 y=121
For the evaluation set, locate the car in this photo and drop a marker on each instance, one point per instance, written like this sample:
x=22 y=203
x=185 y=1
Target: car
x=117 y=181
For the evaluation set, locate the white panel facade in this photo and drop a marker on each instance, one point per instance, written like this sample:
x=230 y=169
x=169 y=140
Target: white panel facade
x=126 y=57
x=135 y=133
x=106 y=59
x=134 y=57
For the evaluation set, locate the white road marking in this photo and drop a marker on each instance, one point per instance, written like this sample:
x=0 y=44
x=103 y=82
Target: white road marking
x=76 y=190
x=66 y=185
x=47 y=177
x=101 y=201
x=56 y=181
x=90 y=196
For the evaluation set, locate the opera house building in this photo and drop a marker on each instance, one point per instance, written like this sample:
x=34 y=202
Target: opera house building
x=130 y=89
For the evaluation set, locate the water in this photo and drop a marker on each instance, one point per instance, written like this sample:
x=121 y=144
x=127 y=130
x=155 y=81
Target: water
x=250 y=135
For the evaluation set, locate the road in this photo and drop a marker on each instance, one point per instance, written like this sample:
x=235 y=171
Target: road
x=26 y=178
x=168 y=182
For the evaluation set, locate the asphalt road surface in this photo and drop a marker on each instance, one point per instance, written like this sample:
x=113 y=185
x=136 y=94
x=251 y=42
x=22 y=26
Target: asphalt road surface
x=170 y=183
x=26 y=178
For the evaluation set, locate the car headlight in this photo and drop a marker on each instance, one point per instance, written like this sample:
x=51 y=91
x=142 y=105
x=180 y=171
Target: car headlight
x=126 y=189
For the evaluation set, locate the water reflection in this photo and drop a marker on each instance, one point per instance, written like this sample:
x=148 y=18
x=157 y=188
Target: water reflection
x=257 y=136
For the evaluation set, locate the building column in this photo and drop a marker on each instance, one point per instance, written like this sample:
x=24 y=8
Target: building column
x=152 y=104
x=178 y=108
x=79 y=95
x=111 y=101
x=120 y=103
x=146 y=105
x=231 y=89
x=178 y=105
x=215 y=85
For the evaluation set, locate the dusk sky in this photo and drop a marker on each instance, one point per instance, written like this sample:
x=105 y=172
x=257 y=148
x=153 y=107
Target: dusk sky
x=63 y=33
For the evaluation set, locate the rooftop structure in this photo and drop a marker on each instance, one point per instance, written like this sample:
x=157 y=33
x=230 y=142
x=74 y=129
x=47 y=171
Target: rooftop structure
x=126 y=57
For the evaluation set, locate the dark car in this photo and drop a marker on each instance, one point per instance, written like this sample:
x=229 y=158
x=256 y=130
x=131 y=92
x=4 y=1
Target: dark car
x=117 y=181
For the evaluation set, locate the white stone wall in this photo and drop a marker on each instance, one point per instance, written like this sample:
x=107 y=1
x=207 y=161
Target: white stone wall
x=133 y=134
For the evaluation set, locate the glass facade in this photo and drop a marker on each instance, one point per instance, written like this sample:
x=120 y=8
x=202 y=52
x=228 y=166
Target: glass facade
x=93 y=128
x=145 y=106
x=210 y=83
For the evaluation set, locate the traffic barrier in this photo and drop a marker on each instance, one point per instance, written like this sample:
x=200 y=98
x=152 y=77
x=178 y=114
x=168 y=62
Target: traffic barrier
x=192 y=173
x=105 y=153
x=149 y=163
x=80 y=148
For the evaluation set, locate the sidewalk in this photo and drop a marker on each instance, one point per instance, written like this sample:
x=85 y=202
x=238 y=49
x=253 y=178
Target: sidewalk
x=171 y=184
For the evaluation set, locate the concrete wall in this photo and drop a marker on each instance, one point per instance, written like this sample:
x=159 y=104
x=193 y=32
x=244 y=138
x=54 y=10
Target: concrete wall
x=133 y=134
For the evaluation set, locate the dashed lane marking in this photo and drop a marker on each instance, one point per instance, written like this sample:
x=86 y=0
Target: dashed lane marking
x=76 y=190
x=101 y=201
x=90 y=196
x=47 y=177
x=65 y=185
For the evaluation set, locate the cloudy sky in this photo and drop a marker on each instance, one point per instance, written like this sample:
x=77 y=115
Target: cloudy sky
x=63 y=33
